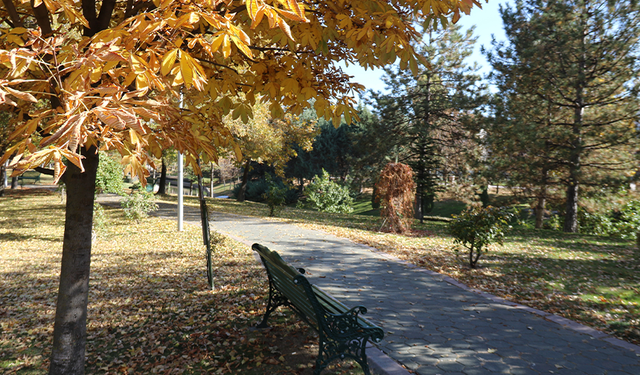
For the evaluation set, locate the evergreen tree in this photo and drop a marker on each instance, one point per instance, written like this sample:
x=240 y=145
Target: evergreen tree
x=426 y=111
x=577 y=60
x=353 y=153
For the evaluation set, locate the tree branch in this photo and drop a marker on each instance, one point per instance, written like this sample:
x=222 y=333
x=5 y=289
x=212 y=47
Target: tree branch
x=13 y=13
x=106 y=11
x=89 y=12
x=42 y=16
x=47 y=171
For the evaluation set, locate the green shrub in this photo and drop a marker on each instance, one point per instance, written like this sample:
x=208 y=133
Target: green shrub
x=99 y=217
x=476 y=229
x=109 y=177
x=594 y=223
x=137 y=205
x=328 y=196
x=256 y=190
x=554 y=222
x=627 y=224
x=275 y=195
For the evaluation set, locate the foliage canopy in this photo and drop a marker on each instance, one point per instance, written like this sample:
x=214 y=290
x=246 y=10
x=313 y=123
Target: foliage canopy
x=113 y=77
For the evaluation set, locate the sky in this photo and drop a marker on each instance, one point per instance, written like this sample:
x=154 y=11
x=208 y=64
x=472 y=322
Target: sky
x=487 y=21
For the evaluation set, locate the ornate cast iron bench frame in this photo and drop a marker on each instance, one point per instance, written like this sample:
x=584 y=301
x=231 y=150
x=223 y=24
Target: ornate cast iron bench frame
x=342 y=331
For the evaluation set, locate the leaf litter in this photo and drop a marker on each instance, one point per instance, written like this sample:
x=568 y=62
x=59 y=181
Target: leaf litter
x=150 y=310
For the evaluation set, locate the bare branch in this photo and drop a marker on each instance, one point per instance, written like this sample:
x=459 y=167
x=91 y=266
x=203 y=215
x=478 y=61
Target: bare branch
x=42 y=16
x=47 y=171
x=106 y=11
x=89 y=12
x=15 y=18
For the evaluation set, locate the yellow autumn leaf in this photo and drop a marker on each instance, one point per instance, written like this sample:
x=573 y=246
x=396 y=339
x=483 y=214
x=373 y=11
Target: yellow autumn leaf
x=186 y=68
x=252 y=9
x=168 y=60
x=242 y=46
x=226 y=46
x=21 y=95
x=217 y=42
x=142 y=81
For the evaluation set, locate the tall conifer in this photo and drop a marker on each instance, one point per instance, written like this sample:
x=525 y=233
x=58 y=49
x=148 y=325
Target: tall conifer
x=569 y=74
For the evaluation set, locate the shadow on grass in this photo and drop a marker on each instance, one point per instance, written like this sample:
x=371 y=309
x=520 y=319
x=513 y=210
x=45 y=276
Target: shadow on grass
x=143 y=322
x=12 y=236
x=575 y=242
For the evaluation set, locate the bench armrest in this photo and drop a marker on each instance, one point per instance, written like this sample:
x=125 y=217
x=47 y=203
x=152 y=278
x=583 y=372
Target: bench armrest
x=349 y=324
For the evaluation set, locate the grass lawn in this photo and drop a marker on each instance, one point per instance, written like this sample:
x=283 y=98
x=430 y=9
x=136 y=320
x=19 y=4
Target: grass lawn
x=590 y=279
x=150 y=310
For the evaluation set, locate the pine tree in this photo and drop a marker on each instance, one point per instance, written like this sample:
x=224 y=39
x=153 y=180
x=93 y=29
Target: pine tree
x=426 y=111
x=578 y=60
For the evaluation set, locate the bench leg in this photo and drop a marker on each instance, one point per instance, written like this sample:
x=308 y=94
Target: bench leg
x=331 y=350
x=276 y=299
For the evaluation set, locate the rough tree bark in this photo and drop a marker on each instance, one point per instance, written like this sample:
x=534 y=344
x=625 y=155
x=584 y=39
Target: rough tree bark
x=70 y=329
x=2 y=173
x=245 y=180
x=542 y=200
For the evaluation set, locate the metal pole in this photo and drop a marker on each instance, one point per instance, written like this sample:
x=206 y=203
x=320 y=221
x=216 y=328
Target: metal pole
x=180 y=184
x=6 y=181
x=180 y=194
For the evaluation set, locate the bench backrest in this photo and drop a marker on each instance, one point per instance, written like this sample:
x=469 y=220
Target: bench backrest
x=290 y=282
x=312 y=303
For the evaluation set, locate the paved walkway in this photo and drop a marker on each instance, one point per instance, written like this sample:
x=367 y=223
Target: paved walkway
x=434 y=325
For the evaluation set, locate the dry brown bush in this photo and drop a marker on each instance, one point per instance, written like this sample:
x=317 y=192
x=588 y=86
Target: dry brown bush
x=396 y=190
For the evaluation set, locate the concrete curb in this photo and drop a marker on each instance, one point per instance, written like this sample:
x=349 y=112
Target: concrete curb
x=382 y=364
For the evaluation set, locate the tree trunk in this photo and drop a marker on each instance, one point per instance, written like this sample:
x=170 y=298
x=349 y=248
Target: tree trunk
x=540 y=212
x=14 y=183
x=245 y=178
x=418 y=214
x=571 y=213
x=542 y=200
x=473 y=260
x=3 y=171
x=162 y=185
x=375 y=198
x=484 y=196
x=70 y=328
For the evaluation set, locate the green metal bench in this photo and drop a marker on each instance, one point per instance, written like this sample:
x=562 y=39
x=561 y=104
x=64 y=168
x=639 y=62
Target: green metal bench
x=343 y=332
x=30 y=175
